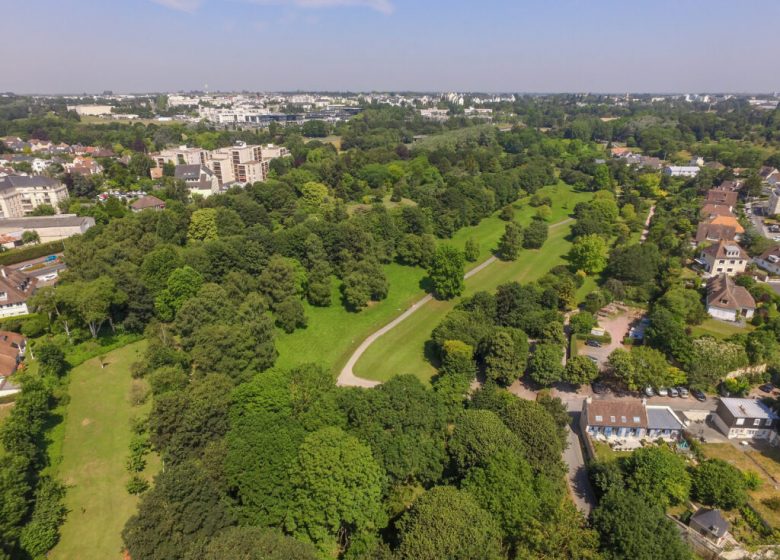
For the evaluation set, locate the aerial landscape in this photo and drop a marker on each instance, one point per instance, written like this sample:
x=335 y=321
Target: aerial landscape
x=390 y=280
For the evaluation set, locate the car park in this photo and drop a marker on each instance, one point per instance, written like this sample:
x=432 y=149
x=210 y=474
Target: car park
x=593 y=343
x=673 y=392
x=662 y=392
x=649 y=391
x=683 y=392
x=698 y=395
x=767 y=387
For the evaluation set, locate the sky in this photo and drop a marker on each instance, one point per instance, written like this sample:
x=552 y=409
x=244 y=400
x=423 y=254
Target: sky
x=663 y=46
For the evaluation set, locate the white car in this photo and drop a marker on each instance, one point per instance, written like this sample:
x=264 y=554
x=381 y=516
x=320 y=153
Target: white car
x=662 y=392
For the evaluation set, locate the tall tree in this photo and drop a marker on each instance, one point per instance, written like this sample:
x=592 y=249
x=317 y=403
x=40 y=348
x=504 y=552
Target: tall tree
x=446 y=272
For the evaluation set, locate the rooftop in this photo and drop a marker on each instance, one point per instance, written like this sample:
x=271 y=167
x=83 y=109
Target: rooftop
x=662 y=418
x=747 y=408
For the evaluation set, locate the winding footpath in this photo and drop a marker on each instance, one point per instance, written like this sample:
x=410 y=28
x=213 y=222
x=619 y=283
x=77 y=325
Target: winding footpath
x=347 y=377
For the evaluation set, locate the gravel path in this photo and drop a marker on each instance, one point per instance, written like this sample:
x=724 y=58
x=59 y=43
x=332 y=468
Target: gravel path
x=347 y=377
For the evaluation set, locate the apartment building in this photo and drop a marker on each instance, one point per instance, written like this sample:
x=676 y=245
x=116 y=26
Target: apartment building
x=21 y=194
x=681 y=170
x=181 y=156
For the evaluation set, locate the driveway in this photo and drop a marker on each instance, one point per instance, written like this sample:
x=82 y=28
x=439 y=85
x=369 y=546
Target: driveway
x=617 y=326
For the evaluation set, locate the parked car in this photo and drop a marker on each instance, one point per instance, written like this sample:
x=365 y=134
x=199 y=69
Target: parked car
x=663 y=392
x=673 y=392
x=683 y=392
x=698 y=395
x=593 y=359
x=767 y=387
x=600 y=388
x=50 y=258
x=649 y=391
x=593 y=343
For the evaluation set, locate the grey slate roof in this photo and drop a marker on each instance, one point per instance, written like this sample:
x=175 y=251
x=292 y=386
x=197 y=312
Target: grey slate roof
x=27 y=181
x=66 y=220
x=662 y=418
x=711 y=520
x=747 y=408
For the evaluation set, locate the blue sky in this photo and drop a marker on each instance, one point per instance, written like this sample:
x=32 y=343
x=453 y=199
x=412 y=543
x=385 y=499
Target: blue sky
x=51 y=46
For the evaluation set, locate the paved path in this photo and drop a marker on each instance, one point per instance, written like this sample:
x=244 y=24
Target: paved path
x=347 y=377
x=647 y=224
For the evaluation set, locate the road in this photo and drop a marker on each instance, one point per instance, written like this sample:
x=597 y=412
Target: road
x=347 y=377
x=579 y=484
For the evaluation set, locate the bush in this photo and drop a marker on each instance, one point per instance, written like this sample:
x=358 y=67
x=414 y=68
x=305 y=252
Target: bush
x=139 y=392
x=137 y=485
x=772 y=503
x=136 y=461
x=31 y=252
x=753 y=480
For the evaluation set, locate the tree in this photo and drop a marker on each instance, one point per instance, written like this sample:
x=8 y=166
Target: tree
x=589 y=254
x=717 y=483
x=712 y=359
x=580 y=370
x=279 y=280
x=457 y=359
x=42 y=531
x=643 y=366
x=29 y=236
x=182 y=284
x=255 y=543
x=290 y=315
x=315 y=197
x=94 y=301
x=658 y=474
x=203 y=225
x=545 y=366
x=582 y=322
x=51 y=359
x=503 y=485
x=446 y=272
x=535 y=234
x=337 y=490
x=633 y=528
x=510 y=243
x=239 y=352
x=448 y=523
x=471 y=251
x=364 y=281
x=477 y=436
x=505 y=355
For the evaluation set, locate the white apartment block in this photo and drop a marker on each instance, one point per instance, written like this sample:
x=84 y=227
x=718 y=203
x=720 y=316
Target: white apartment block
x=181 y=156
x=681 y=170
x=91 y=110
x=20 y=194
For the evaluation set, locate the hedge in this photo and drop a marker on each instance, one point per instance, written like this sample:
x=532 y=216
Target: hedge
x=605 y=339
x=31 y=252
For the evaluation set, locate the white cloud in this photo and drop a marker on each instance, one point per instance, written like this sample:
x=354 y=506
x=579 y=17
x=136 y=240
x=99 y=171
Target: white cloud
x=188 y=6
x=382 y=6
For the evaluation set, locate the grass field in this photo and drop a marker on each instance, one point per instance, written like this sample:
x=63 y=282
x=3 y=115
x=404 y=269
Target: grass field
x=720 y=329
x=333 y=333
x=94 y=447
x=761 y=463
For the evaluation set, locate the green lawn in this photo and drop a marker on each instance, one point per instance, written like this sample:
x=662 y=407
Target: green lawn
x=94 y=447
x=720 y=329
x=333 y=333
x=403 y=349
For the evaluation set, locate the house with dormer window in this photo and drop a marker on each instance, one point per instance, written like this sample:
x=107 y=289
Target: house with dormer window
x=724 y=257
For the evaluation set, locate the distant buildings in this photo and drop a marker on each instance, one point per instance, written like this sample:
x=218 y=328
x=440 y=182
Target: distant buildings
x=681 y=170
x=20 y=194
x=199 y=179
x=147 y=203
x=435 y=114
x=91 y=110
x=727 y=301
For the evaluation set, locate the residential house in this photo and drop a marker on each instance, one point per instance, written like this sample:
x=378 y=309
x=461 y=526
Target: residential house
x=711 y=524
x=199 y=179
x=15 y=289
x=766 y=172
x=734 y=186
x=83 y=166
x=707 y=232
x=724 y=257
x=147 y=203
x=711 y=210
x=12 y=349
x=744 y=418
x=727 y=301
x=620 y=151
x=681 y=170
x=629 y=420
x=727 y=220
x=21 y=194
x=722 y=197
x=769 y=260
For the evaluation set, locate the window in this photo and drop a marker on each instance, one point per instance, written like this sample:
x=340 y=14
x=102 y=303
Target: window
x=612 y=419
x=740 y=421
x=757 y=422
x=599 y=418
x=636 y=419
x=623 y=419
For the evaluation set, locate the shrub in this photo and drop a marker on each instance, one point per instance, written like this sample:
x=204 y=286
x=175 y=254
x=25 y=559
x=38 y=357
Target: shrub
x=139 y=392
x=137 y=485
x=752 y=480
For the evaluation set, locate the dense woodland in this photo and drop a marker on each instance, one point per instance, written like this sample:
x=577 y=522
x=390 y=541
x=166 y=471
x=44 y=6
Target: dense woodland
x=283 y=463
